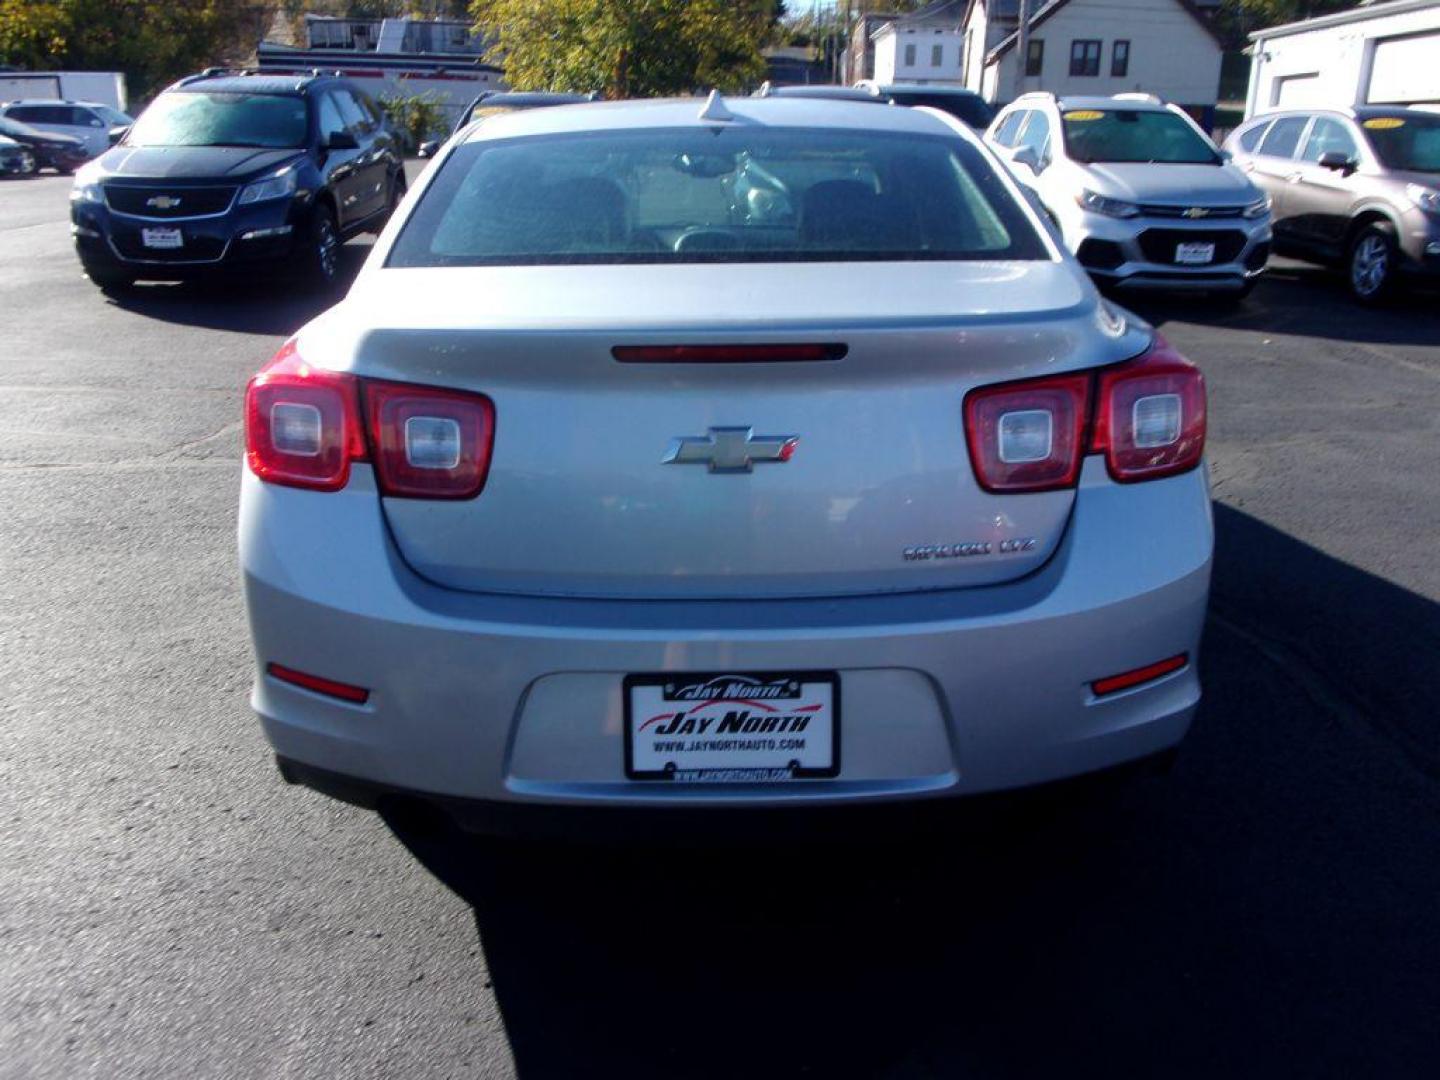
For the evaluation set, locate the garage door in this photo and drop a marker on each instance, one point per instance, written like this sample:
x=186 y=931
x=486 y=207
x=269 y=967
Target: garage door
x=1297 y=91
x=1405 y=69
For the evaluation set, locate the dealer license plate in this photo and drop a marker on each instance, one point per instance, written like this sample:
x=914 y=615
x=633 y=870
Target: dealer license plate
x=732 y=727
x=166 y=239
x=1195 y=254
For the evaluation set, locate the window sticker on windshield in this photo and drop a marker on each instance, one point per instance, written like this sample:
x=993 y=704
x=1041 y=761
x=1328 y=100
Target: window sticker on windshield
x=1084 y=114
x=1384 y=123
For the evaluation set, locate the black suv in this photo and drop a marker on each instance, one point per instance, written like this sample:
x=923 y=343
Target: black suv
x=232 y=171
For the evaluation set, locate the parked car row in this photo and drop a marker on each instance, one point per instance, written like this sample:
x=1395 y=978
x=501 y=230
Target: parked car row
x=1146 y=201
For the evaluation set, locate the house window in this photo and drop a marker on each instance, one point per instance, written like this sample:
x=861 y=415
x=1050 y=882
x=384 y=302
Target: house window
x=1034 y=57
x=937 y=52
x=1120 y=60
x=1085 y=57
x=909 y=55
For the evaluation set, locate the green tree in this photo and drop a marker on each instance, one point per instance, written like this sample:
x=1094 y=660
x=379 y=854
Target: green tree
x=151 y=41
x=627 y=48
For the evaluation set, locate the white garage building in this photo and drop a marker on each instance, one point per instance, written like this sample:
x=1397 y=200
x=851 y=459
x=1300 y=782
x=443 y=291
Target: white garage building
x=1377 y=54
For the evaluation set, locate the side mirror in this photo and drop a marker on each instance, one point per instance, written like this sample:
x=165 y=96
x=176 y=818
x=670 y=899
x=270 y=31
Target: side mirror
x=1337 y=160
x=117 y=133
x=429 y=148
x=341 y=140
x=1026 y=156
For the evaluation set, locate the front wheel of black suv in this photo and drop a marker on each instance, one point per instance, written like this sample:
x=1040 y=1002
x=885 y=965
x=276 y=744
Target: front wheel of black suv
x=1370 y=268
x=318 y=257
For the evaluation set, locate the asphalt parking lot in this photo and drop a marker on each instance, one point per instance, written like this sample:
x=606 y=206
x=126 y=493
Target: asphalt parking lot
x=169 y=908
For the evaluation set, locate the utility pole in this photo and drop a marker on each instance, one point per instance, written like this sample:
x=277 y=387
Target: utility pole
x=1022 y=48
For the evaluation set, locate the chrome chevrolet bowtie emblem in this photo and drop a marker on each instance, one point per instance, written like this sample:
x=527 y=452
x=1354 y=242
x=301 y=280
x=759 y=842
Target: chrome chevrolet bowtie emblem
x=1197 y=212
x=730 y=449
x=163 y=202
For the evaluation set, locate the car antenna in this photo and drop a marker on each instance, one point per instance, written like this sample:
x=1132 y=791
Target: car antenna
x=715 y=108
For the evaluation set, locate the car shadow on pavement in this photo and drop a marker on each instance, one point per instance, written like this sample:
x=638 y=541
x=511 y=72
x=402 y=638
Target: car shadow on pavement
x=1269 y=908
x=262 y=303
x=1306 y=301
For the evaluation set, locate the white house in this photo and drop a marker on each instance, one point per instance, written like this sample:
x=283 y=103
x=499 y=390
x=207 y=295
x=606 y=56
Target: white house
x=923 y=47
x=1165 y=47
x=1377 y=54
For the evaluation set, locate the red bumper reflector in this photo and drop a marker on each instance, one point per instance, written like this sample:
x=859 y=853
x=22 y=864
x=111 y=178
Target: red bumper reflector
x=356 y=695
x=788 y=352
x=1145 y=674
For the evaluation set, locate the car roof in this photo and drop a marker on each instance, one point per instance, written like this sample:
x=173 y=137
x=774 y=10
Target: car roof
x=251 y=84
x=938 y=89
x=782 y=111
x=530 y=97
x=1101 y=101
x=822 y=90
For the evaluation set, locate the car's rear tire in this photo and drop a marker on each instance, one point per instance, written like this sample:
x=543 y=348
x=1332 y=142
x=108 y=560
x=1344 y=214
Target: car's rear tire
x=28 y=165
x=1370 y=264
x=318 y=263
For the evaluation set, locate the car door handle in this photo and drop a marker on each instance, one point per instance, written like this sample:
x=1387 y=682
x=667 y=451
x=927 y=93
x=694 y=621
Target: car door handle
x=1295 y=177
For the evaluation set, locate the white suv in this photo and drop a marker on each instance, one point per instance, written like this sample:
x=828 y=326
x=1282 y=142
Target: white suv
x=1140 y=193
x=90 y=122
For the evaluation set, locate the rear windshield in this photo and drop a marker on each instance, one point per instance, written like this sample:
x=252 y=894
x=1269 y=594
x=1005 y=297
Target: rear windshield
x=1410 y=142
x=739 y=194
x=1136 y=136
x=272 y=121
x=974 y=111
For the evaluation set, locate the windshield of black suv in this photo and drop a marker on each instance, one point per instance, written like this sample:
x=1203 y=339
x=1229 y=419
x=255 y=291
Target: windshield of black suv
x=1410 y=142
x=741 y=194
x=1138 y=136
x=184 y=118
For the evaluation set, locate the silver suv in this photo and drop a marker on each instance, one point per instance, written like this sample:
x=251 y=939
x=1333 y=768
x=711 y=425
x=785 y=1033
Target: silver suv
x=1139 y=192
x=1357 y=188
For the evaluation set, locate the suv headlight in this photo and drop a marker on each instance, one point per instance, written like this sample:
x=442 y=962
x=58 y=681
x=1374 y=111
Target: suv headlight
x=279 y=186
x=87 y=186
x=1103 y=204
x=1427 y=199
x=1259 y=208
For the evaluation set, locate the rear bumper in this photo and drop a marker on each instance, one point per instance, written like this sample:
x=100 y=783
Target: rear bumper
x=509 y=699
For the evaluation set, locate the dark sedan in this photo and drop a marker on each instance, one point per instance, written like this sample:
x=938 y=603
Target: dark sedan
x=50 y=150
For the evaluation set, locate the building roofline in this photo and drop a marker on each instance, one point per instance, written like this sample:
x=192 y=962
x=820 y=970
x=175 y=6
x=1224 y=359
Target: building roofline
x=1054 y=7
x=1340 y=18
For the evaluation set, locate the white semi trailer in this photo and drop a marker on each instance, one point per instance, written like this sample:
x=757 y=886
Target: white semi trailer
x=101 y=87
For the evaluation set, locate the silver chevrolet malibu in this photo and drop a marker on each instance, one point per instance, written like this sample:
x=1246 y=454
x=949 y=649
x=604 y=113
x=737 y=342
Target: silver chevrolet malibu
x=746 y=452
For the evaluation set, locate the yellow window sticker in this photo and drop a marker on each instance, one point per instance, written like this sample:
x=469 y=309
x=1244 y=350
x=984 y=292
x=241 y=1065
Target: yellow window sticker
x=1384 y=123
x=1084 y=114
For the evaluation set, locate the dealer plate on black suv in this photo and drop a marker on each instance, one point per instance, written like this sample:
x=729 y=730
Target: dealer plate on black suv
x=732 y=727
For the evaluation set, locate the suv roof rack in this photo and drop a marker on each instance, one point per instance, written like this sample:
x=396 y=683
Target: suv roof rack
x=1153 y=99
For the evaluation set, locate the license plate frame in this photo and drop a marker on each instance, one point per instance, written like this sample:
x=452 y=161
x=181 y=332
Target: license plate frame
x=163 y=239
x=1196 y=253
x=645 y=692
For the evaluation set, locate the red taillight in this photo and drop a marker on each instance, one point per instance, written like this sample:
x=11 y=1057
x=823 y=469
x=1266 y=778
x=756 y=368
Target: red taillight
x=429 y=444
x=1150 y=415
x=302 y=427
x=356 y=695
x=728 y=354
x=1031 y=435
x=1027 y=436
